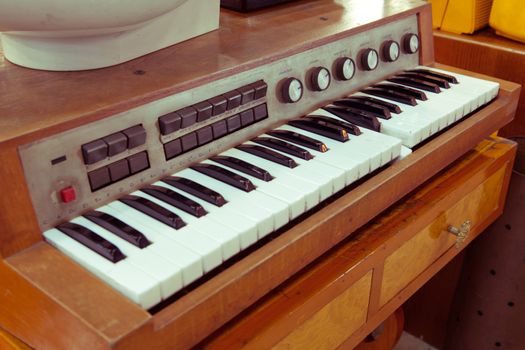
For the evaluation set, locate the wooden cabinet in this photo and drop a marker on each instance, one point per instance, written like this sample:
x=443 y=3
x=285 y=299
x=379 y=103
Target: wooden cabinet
x=339 y=299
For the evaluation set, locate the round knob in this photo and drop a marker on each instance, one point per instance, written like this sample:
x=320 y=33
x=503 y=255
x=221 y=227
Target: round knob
x=320 y=79
x=390 y=51
x=410 y=43
x=292 y=90
x=344 y=68
x=369 y=59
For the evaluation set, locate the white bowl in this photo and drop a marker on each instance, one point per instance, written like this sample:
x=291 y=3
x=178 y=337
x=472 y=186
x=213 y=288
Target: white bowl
x=76 y=35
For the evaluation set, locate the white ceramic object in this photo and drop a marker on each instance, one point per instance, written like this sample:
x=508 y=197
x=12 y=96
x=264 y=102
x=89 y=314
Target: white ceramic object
x=65 y=35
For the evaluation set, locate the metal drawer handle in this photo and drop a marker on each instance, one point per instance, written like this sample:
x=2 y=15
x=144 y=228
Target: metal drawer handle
x=461 y=233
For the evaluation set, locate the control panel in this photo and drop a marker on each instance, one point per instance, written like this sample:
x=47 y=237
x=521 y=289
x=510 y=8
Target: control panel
x=86 y=167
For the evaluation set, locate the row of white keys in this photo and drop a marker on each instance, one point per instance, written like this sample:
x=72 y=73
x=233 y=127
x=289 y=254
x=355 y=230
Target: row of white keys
x=167 y=274
x=268 y=212
x=310 y=186
x=162 y=242
x=389 y=147
x=135 y=284
x=295 y=200
x=410 y=127
x=207 y=249
x=243 y=227
x=479 y=90
x=347 y=150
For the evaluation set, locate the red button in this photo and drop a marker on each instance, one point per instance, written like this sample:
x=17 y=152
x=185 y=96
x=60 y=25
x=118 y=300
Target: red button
x=68 y=194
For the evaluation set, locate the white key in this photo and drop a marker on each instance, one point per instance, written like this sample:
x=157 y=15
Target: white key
x=269 y=212
x=295 y=200
x=209 y=250
x=220 y=234
x=305 y=177
x=345 y=149
x=315 y=166
x=245 y=228
x=389 y=147
x=167 y=274
x=287 y=176
x=138 y=286
x=189 y=261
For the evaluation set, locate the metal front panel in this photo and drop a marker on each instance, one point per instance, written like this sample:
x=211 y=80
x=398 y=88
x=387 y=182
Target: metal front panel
x=45 y=179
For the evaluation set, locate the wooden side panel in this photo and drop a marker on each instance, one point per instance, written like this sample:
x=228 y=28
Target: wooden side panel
x=419 y=252
x=425 y=24
x=8 y=342
x=335 y=322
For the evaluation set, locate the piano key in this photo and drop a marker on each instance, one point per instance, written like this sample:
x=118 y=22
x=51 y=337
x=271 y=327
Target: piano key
x=313 y=165
x=417 y=94
x=442 y=83
x=153 y=210
x=196 y=189
x=92 y=241
x=320 y=128
x=268 y=154
x=299 y=139
x=164 y=245
x=209 y=250
x=167 y=274
x=175 y=199
x=359 y=118
x=388 y=147
x=284 y=147
x=227 y=239
x=292 y=177
x=392 y=107
x=118 y=228
x=447 y=77
x=268 y=212
x=297 y=202
x=225 y=176
x=367 y=106
x=391 y=95
x=246 y=229
x=134 y=284
x=341 y=156
x=239 y=164
x=417 y=83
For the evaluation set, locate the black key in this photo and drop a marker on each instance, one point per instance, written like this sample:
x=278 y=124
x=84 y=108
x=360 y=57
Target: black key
x=284 y=146
x=196 y=189
x=153 y=210
x=93 y=241
x=243 y=166
x=119 y=228
x=351 y=115
x=226 y=176
x=175 y=199
x=442 y=83
x=417 y=94
x=268 y=154
x=367 y=106
x=391 y=95
x=350 y=128
x=393 y=108
x=302 y=140
x=320 y=128
x=417 y=83
x=450 y=78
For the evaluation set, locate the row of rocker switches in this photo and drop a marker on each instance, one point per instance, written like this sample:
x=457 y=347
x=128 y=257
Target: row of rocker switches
x=113 y=144
x=215 y=131
x=217 y=105
x=118 y=170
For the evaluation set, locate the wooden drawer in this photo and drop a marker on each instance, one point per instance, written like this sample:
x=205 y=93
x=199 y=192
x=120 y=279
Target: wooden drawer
x=414 y=256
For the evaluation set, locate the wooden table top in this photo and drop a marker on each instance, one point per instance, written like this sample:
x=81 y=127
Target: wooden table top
x=35 y=103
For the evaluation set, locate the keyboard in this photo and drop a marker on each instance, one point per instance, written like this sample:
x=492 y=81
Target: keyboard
x=154 y=241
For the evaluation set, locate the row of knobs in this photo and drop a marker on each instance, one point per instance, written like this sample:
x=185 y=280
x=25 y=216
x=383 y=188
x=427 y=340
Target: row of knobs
x=345 y=67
